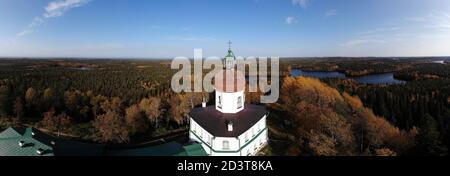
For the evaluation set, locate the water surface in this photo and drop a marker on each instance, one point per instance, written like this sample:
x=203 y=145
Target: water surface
x=385 y=78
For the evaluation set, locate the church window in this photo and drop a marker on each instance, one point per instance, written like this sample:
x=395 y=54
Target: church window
x=219 y=103
x=253 y=132
x=226 y=145
x=239 y=102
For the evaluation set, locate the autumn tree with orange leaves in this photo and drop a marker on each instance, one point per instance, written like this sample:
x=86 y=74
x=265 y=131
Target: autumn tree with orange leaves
x=325 y=122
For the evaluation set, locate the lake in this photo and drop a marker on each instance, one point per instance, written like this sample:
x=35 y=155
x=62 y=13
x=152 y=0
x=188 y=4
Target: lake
x=318 y=74
x=82 y=68
x=385 y=78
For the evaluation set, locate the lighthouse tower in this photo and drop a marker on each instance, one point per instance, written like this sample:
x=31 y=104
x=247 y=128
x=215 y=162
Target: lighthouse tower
x=230 y=127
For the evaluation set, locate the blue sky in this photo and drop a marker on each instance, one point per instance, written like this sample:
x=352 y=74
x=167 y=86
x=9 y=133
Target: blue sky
x=170 y=28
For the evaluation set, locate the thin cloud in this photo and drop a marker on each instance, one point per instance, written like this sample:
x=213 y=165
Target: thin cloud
x=24 y=32
x=191 y=38
x=356 y=42
x=52 y=10
x=185 y=28
x=58 y=8
x=330 y=13
x=302 y=3
x=413 y=28
x=155 y=27
x=37 y=21
x=379 y=30
x=291 y=20
x=375 y=36
x=439 y=20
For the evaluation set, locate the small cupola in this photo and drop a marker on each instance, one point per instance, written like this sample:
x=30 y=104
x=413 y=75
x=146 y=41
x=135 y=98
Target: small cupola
x=229 y=59
x=22 y=143
x=203 y=103
x=40 y=151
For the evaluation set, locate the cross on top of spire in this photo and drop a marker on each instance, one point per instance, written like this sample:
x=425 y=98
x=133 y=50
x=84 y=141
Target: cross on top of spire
x=229 y=44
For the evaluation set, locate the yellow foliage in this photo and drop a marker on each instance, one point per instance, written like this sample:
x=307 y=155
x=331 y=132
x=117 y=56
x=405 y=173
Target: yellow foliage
x=380 y=132
x=328 y=122
x=385 y=152
x=310 y=90
x=354 y=101
x=321 y=144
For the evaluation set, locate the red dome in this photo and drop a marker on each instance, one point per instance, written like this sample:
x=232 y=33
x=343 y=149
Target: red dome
x=232 y=81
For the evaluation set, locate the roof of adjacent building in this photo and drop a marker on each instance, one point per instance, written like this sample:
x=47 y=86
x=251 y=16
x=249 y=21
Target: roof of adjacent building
x=35 y=139
x=166 y=149
x=10 y=138
x=193 y=150
x=216 y=122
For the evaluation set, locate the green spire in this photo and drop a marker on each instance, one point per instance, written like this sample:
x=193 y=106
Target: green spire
x=230 y=54
x=229 y=59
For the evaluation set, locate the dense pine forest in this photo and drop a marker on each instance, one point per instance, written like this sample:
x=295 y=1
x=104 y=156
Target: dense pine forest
x=130 y=101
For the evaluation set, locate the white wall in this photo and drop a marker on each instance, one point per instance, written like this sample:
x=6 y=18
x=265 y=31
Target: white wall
x=218 y=146
x=234 y=143
x=202 y=134
x=251 y=133
x=230 y=101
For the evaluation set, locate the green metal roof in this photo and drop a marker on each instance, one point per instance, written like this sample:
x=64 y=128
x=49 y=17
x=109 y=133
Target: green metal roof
x=9 y=133
x=193 y=150
x=230 y=54
x=10 y=138
x=9 y=144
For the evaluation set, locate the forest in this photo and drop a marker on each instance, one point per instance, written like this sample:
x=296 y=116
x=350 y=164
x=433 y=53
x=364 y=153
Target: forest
x=421 y=107
x=130 y=101
x=108 y=101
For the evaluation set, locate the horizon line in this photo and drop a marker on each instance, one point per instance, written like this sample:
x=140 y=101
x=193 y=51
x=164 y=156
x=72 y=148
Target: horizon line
x=168 y=58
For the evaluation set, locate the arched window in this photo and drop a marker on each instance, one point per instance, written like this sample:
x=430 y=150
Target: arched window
x=226 y=145
x=253 y=132
x=239 y=102
x=201 y=133
x=219 y=102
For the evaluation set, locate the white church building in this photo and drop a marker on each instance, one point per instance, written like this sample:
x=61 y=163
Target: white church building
x=230 y=127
